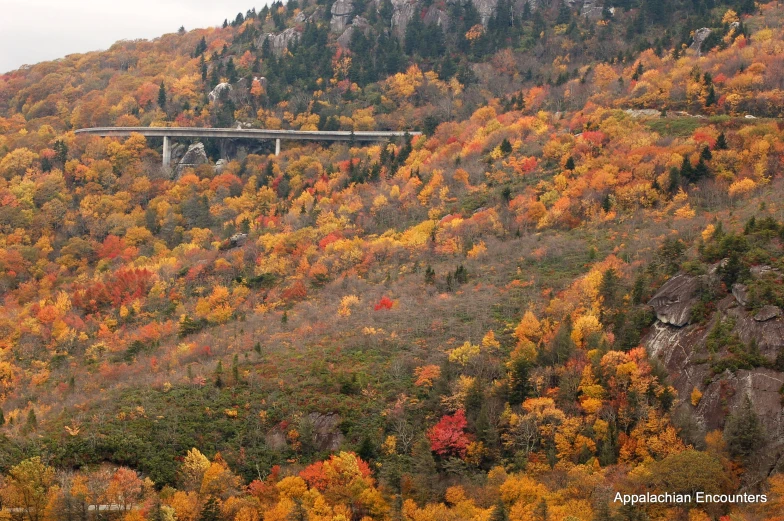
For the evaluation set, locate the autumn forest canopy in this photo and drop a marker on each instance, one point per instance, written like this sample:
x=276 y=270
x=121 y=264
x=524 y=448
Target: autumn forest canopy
x=570 y=285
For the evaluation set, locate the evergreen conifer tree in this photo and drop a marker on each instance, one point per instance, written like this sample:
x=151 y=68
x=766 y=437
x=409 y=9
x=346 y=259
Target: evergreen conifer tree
x=219 y=374
x=744 y=432
x=162 y=96
x=721 y=142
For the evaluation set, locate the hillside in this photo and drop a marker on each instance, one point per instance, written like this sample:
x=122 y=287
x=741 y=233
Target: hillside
x=569 y=286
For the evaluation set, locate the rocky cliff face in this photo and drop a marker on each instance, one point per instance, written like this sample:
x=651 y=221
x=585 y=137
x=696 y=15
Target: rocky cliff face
x=681 y=347
x=280 y=41
x=700 y=35
x=357 y=24
x=341 y=15
x=673 y=303
x=216 y=92
x=592 y=9
x=404 y=10
x=486 y=9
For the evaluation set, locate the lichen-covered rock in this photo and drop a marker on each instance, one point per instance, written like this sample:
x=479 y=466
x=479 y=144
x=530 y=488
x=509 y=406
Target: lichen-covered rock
x=341 y=15
x=194 y=157
x=676 y=298
x=220 y=165
x=767 y=313
x=280 y=41
x=218 y=90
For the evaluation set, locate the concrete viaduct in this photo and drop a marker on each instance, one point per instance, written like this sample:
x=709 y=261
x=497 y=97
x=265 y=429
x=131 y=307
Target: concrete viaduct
x=234 y=133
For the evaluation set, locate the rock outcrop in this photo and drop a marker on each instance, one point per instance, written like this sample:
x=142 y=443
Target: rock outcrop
x=177 y=151
x=682 y=351
x=217 y=91
x=437 y=16
x=764 y=271
x=325 y=434
x=326 y=431
x=592 y=9
x=344 y=40
x=220 y=165
x=341 y=15
x=402 y=12
x=643 y=113
x=358 y=24
x=280 y=41
x=741 y=294
x=768 y=313
x=700 y=35
x=486 y=9
x=194 y=157
x=676 y=298
x=238 y=239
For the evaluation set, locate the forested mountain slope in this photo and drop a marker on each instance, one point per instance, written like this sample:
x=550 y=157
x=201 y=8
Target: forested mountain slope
x=569 y=286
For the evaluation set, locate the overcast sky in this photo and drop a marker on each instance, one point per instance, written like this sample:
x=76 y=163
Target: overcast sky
x=32 y=31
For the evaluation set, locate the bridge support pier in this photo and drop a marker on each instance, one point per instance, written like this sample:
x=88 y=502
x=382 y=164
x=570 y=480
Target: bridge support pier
x=166 y=151
x=277 y=147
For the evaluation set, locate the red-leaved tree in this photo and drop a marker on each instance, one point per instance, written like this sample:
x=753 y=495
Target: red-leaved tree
x=448 y=437
x=384 y=303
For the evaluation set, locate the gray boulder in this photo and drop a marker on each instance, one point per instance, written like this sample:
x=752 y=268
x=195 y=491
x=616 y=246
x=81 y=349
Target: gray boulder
x=767 y=313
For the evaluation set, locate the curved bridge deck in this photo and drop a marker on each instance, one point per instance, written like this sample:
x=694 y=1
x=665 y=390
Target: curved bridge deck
x=234 y=133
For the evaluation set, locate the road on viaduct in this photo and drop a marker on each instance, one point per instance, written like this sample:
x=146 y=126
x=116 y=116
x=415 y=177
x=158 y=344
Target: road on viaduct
x=236 y=133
